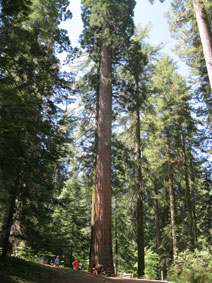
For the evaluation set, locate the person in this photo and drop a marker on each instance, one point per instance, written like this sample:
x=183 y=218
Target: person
x=103 y=271
x=41 y=259
x=83 y=266
x=57 y=261
x=98 y=269
x=75 y=264
x=94 y=269
x=108 y=271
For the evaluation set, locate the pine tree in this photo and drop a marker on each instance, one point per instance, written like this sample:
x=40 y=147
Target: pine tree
x=70 y=224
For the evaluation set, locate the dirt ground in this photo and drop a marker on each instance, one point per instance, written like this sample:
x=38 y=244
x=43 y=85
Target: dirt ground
x=84 y=277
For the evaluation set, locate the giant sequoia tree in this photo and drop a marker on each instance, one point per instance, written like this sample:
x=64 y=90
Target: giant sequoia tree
x=112 y=25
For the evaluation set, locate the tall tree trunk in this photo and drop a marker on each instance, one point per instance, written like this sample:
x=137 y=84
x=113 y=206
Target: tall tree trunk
x=92 y=220
x=8 y=225
x=140 y=216
x=205 y=35
x=193 y=177
x=116 y=242
x=188 y=194
x=71 y=259
x=102 y=234
x=157 y=225
x=94 y=178
x=157 y=221
x=172 y=212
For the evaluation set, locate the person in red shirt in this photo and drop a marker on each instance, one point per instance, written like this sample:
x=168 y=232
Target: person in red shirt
x=75 y=264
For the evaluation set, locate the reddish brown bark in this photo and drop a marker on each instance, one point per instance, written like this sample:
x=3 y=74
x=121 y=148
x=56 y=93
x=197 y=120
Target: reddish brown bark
x=102 y=235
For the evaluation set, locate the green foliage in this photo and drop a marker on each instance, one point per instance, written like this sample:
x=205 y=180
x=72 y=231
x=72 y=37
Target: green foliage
x=70 y=224
x=117 y=34
x=53 y=217
x=151 y=264
x=184 y=28
x=32 y=139
x=24 y=252
x=204 y=210
x=124 y=244
x=193 y=267
x=17 y=9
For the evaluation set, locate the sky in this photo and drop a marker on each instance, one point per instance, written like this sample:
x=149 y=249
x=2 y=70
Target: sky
x=144 y=14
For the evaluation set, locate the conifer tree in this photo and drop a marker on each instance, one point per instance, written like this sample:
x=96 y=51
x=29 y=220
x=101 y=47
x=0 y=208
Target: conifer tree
x=174 y=117
x=190 y=25
x=200 y=8
x=70 y=223
x=205 y=34
x=31 y=140
x=112 y=25
x=137 y=64
x=135 y=74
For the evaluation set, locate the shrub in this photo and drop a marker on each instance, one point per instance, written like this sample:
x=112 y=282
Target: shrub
x=193 y=267
x=151 y=264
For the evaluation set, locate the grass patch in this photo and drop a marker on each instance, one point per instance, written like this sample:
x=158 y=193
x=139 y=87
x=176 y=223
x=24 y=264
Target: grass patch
x=16 y=270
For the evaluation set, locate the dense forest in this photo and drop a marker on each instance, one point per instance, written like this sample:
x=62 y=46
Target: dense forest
x=109 y=161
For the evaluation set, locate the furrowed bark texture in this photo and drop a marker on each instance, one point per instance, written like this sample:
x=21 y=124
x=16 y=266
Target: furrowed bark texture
x=102 y=234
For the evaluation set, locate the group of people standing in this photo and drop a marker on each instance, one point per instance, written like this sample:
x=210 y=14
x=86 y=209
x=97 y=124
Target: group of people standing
x=100 y=270
x=75 y=264
x=97 y=270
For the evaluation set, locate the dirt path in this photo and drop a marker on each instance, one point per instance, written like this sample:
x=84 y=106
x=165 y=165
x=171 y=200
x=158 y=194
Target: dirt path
x=126 y=280
x=84 y=277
